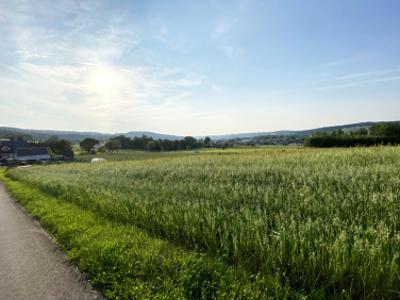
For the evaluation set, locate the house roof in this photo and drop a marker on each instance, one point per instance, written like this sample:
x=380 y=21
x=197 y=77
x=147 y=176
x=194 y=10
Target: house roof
x=11 y=146
x=32 y=151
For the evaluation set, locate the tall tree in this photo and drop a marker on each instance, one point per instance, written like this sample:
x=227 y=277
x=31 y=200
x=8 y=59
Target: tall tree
x=207 y=142
x=113 y=144
x=88 y=144
x=190 y=142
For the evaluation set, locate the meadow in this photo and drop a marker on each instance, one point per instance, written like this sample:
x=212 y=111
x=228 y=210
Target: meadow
x=239 y=224
x=123 y=155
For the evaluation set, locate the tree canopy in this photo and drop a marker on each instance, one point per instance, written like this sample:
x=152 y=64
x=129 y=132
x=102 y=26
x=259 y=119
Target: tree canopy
x=379 y=134
x=88 y=144
x=147 y=143
x=113 y=145
x=385 y=130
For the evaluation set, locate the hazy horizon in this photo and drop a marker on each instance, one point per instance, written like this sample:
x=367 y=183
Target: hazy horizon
x=198 y=68
x=199 y=135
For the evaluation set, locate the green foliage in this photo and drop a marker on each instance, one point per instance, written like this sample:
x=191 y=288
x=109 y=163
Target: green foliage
x=328 y=141
x=88 y=144
x=319 y=222
x=60 y=147
x=146 y=143
x=386 y=130
x=113 y=145
x=275 y=140
x=102 y=149
x=207 y=142
x=379 y=134
x=154 y=146
x=359 y=132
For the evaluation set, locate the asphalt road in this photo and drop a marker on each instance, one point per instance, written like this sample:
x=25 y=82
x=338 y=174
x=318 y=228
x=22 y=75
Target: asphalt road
x=31 y=265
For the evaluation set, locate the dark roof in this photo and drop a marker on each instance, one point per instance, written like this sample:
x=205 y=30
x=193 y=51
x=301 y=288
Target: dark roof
x=32 y=151
x=10 y=146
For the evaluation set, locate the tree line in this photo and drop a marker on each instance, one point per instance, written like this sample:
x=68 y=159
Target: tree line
x=273 y=140
x=63 y=149
x=147 y=143
x=379 y=134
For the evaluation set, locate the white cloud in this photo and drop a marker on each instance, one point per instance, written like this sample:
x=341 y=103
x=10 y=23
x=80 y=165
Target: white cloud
x=70 y=61
x=185 y=82
x=26 y=55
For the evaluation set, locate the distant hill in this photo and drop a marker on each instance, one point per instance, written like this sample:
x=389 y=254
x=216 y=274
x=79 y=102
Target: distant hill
x=307 y=132
x=36 y=134
x=156 y=136
x=76 y=136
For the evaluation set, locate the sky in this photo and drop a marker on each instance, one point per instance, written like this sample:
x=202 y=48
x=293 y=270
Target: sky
x=198 y=67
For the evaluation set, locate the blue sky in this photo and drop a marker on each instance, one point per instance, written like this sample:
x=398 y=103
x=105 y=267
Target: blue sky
x=198 y=67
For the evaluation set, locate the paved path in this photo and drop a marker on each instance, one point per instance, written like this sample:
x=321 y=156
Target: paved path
x=31 y=265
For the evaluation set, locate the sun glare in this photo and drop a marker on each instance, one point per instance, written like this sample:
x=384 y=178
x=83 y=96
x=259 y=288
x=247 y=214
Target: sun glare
x=103 y=79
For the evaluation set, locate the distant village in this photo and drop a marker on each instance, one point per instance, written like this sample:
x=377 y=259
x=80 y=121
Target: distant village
x=18 y=151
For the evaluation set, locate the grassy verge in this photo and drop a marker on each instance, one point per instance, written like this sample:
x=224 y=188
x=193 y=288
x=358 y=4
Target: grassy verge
x=126 y=263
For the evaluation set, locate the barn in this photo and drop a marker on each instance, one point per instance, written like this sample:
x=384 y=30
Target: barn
x=20 y=151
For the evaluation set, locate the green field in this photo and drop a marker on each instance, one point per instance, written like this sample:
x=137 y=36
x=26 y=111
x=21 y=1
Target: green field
x=234 y=224
x=123 y=155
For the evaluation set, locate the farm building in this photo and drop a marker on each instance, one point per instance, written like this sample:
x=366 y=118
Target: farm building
x=20 y=151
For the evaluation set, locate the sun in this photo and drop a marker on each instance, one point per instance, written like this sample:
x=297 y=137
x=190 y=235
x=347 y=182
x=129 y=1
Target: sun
x=103 y=79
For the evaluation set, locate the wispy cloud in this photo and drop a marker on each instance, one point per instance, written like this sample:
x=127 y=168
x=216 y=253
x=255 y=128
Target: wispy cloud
x=343 y=61
x=368 y=74
x=125 y=65
x=356 y=79
x=185 y=82
x=223 y=36
x=224 y=27
x=74 y=67
x=173 y=40
x=27 y=55
x=360 y=83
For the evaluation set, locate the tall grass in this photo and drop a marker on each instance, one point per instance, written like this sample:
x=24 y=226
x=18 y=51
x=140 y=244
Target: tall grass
x=319 y=221
x=124 y=262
